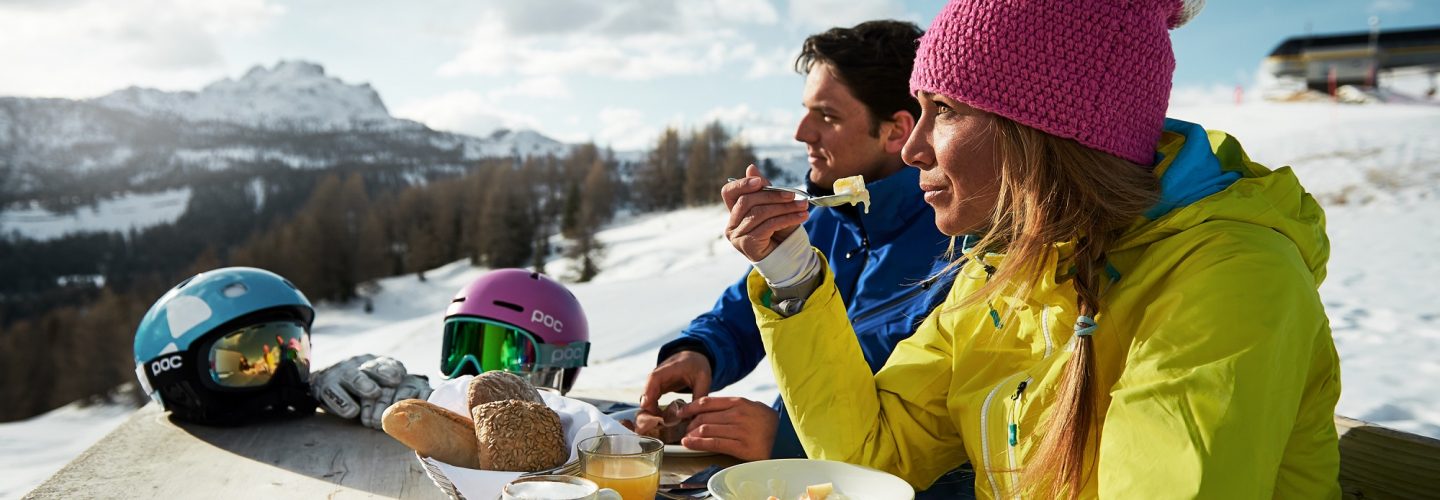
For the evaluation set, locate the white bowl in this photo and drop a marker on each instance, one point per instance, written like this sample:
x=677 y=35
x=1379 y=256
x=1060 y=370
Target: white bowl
x=854 y=481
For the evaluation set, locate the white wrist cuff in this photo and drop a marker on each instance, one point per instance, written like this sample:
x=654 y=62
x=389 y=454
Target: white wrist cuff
x=791 y=263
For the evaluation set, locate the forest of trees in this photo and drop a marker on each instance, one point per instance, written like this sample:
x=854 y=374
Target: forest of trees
x=69 y=306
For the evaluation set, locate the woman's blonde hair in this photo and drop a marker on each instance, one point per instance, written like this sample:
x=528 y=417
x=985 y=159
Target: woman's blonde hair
x=1054 y=190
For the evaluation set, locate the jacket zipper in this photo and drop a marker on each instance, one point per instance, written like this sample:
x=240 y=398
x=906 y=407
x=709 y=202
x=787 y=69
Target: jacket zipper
x=1013 y=429
x=888 y=304
x=920 y=288
x=1012 y=424
x=985 y=432
x=1045 y=327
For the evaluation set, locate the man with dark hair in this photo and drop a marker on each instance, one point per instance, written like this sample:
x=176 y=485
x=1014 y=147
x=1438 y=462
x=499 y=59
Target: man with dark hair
x=886 y=262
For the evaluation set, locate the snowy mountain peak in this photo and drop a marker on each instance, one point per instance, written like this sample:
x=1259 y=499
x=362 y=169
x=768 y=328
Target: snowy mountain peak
x=287 y=70
x=288 y=95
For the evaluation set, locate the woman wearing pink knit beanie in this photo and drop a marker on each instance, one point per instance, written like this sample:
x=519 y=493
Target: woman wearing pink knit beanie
x=1135 y=312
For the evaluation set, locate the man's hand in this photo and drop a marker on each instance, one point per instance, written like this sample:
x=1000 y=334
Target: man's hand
x=364 y=386
x=738 y=427
x=680 y=370
x=760 y=220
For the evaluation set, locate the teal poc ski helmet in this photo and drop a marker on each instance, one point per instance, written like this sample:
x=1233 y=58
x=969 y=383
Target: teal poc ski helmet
x=228 y=346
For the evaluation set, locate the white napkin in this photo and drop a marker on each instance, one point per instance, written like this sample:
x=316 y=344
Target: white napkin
x=580 y=420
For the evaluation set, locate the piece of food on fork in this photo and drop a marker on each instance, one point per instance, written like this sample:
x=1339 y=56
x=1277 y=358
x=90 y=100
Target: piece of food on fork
x=853 y=187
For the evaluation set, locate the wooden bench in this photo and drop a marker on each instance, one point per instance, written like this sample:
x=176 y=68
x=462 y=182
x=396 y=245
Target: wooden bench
x=1382 y=463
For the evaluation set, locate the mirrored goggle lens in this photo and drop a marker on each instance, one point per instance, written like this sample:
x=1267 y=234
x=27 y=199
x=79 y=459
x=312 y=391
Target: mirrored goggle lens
x=472 y=346
x=249 y=357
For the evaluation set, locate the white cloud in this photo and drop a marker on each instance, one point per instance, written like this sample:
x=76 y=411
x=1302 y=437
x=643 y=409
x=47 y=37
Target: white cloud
x=826 y=14
x=772 y=127
x=741 y=11
x=779 y=61
x=546 y=87
x=626 y=129
x=464 y=111
x=633 y=40
x=83 y=48
x=1391 y=6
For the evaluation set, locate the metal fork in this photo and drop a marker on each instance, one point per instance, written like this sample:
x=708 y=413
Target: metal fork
x=570 y=468
x=833 y=200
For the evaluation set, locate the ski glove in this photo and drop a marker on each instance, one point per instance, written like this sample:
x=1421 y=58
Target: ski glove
x=364 y=386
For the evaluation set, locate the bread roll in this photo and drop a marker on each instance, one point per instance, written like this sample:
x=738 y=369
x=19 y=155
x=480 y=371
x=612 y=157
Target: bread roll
x=433 y=431
x=519 y=436
x=499 y=385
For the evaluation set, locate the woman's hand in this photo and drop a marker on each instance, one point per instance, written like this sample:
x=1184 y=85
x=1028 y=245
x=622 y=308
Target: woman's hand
x=760 y=220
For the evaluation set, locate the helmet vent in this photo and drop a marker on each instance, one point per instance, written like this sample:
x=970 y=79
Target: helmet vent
x=535 y=276
x=289 y=284
x=457 y=299
x=235 y=290
x=186 y=282
x=510 y=305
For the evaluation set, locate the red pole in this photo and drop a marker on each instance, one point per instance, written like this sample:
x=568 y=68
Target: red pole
x=1331 y=79
x=1239 y=94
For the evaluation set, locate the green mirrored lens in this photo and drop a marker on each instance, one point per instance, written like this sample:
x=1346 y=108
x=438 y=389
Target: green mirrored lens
x=487 y=345
x=462 y=339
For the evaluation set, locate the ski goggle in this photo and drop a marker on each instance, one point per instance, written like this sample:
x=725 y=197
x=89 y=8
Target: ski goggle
x=250 y=356
x=475 y=345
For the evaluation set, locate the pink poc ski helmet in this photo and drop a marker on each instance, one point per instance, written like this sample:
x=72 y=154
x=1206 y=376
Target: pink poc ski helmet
x=519 y=321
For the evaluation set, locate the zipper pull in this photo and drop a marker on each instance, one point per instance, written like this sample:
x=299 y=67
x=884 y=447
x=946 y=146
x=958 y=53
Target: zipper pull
x=1014 y=427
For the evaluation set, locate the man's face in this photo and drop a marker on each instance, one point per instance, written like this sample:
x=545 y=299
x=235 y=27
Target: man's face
x=836 y=132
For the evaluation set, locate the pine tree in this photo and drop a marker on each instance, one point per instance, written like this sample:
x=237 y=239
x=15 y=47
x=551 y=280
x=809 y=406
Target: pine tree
x=699 y=170
x=598 y=202
x=661 y=179
x=570 y=212
x=739 y=155
x=372 y=248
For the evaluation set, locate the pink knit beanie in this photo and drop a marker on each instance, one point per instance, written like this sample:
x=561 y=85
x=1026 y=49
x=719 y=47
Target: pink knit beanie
x=1097 y=71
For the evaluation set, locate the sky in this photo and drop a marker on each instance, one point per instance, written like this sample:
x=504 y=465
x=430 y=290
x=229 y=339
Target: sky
x=616 y=72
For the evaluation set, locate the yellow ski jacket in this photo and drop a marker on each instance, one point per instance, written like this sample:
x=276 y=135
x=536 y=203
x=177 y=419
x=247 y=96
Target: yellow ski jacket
x=1216 y=372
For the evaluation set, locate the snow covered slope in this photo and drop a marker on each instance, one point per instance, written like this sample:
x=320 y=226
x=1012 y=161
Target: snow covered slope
x=1375 y=168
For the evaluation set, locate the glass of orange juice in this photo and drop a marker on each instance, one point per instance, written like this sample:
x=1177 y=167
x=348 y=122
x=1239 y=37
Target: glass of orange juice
x=628 y=464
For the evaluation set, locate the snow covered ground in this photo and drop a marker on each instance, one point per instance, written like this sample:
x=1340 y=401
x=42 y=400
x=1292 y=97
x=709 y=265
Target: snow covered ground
x=131 y=210
x=1375 y=168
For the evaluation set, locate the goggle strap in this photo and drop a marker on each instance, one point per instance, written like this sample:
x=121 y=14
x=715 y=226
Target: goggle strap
x=144 y=377
x=572 y=355
x=459 y=366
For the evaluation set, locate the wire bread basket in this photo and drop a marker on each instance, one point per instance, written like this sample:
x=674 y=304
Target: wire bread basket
x=437 y=476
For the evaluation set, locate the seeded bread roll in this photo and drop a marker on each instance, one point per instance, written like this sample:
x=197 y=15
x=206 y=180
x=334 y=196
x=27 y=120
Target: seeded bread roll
x=519 y=436
x=499 y=385
x=433 y=431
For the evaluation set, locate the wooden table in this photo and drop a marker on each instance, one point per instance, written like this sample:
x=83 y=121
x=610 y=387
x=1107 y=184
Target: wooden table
x=152 y=456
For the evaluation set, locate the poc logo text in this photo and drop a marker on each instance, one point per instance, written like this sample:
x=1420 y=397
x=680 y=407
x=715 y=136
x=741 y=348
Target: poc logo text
x=549 y=321
x=165 y=364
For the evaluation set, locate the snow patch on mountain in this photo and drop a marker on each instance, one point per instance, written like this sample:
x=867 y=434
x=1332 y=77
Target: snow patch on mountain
x=129 y=211
x=289 y=95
